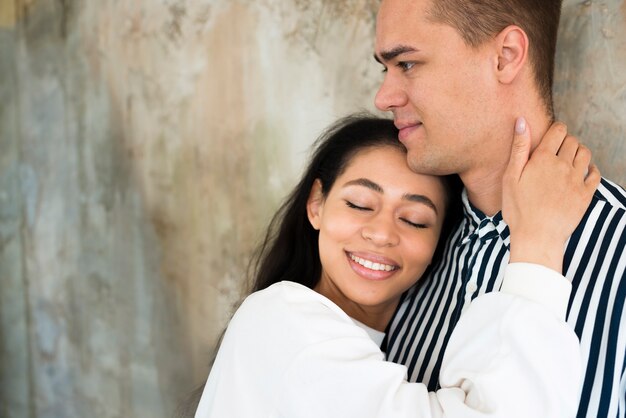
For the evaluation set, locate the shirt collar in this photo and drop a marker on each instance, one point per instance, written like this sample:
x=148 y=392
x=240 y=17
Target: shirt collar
x=483 y=227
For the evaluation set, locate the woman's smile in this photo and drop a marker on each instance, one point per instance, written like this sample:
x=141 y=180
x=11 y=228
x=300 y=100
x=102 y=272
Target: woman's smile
x=372 y=267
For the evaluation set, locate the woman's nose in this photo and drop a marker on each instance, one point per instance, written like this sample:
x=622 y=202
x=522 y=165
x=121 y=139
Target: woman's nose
x=381 y=232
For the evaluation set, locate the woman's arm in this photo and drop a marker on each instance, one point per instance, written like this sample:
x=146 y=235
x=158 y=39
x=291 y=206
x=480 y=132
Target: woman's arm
x=508 y=357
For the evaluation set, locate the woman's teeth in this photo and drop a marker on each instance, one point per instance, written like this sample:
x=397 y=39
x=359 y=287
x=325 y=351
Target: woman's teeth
x=371 y=265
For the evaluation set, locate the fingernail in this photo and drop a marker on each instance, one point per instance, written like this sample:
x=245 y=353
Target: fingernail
x=520 y=126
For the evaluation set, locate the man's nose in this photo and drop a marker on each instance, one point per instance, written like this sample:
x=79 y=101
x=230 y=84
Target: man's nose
x=390 y=95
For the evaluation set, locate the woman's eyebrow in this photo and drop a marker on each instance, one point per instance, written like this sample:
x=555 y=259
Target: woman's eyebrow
x=417 y=198
x=365 y=183
x=420 y=198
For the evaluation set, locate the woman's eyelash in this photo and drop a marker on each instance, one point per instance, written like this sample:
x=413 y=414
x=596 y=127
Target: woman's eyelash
x=406 y=221
x=353 y=206
x=413 y=224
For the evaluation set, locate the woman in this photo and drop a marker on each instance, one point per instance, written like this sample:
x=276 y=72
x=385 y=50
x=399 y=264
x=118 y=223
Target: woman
x=358 y=230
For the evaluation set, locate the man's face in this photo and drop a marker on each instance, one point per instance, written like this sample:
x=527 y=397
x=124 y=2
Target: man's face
x=439 y=89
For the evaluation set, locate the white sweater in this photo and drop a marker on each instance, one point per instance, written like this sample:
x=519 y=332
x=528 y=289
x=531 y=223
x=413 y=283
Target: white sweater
x=290 y=352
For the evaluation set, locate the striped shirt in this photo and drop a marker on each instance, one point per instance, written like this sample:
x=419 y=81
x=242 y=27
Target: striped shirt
x=473 y=263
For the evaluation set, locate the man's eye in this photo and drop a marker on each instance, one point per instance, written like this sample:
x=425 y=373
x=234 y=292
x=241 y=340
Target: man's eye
x=406 y=65
x=353 y=206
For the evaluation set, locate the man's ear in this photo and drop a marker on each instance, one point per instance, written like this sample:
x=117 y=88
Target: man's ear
x=512 y=44
x=315 y=204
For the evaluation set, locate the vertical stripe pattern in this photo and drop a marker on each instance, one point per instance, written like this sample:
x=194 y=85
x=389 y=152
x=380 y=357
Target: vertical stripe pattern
x=473 y=264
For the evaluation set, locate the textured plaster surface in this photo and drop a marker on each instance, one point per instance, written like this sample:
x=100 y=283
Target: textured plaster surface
x=145 y=145
x=590 y=79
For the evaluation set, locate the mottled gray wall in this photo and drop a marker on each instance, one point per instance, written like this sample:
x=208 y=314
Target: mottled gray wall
x=590 y=79
x=144 y=145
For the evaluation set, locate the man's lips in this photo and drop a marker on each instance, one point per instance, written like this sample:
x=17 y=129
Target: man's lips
x=405 y=129
x=405 y=124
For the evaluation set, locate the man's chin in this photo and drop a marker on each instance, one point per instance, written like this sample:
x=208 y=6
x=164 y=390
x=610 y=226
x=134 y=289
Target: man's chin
x=427 y=166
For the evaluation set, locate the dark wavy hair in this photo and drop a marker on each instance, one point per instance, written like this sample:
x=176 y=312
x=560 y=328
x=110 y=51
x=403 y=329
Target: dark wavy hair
x=290 y=248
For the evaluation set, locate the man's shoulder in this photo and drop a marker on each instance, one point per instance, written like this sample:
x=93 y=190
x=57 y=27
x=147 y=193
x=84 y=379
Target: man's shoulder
x=599 y=241
x=610 y=193
x=606 y=216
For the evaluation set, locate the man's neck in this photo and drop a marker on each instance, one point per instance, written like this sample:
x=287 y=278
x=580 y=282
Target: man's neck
x=484 y=190
x=484 y=182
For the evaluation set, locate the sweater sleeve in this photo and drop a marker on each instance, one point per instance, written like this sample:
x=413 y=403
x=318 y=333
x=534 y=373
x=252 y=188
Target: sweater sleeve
x=511 y=355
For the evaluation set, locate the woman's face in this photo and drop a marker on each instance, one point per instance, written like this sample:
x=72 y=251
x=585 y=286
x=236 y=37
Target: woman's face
x=378 y=229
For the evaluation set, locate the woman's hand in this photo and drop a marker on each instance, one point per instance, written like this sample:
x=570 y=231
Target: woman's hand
x=544 y=197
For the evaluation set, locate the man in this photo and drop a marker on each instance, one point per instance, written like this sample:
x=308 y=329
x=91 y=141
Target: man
x=458 y=75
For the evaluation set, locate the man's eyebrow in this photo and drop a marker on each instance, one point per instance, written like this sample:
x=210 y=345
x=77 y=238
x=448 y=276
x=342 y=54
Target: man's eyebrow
x=388 y=55
x=418 y=198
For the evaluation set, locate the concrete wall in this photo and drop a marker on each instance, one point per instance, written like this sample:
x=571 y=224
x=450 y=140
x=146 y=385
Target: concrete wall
x=144 y=146
x=590 y=79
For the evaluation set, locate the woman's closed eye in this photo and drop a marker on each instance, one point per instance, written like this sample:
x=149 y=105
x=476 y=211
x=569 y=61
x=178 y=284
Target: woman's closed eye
x=414 y=224
x=357 y=207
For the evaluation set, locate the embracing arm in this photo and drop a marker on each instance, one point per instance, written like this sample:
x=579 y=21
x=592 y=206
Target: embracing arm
x=508 y=357
x=537 y=369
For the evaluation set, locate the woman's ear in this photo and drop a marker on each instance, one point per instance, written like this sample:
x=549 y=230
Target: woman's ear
x=512 y=44
x=315 y=204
